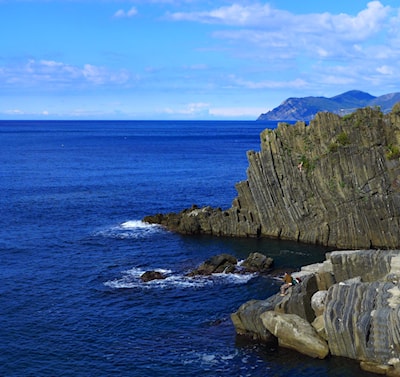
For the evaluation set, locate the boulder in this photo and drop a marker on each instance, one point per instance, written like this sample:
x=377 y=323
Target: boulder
x=247 y=320
x=257 y=262
x=295 y=333
x=151 y=275
x=222 y=263
x=318 y=302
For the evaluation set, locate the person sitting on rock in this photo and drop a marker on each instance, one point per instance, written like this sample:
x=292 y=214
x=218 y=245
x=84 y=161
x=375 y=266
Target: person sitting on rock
x=288 y=282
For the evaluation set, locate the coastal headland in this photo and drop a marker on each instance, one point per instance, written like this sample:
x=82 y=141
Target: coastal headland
x=334 y=182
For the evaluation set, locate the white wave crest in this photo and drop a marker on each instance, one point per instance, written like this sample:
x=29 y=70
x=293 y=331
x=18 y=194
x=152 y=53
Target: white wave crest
x=136 y=224
x=132 y=279
x=130 y=229
x=207 y=360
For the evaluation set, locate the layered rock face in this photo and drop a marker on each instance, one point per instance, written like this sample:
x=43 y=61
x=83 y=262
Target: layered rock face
x=335 y=182
x=347 y=306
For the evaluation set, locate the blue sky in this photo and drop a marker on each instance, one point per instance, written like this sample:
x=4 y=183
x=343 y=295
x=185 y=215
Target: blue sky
x=189 y=59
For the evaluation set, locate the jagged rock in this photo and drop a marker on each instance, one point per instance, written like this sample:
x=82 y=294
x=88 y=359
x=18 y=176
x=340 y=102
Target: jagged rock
x=151 y=275
x=362 y=323
x=217 y=264
x=247 y=319
x=295 y=333
x=335 y=182
x=257 y=262
x=225 y=263
x=298 y=299
x=369 y=265
x=325 y=280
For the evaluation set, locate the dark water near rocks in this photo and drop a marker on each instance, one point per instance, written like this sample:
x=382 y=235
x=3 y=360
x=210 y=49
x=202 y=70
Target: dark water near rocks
x=72 y=248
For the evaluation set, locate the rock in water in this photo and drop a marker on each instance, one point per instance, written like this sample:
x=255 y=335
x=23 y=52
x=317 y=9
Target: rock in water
x=222 y=263
x=151 y=275
x=257 y=262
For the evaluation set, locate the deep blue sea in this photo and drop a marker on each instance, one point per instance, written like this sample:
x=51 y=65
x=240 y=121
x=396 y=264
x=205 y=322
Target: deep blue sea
x=72 y=249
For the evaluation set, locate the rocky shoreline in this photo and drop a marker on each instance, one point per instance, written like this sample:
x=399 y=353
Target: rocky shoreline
x=348 y=306
x=335 y=183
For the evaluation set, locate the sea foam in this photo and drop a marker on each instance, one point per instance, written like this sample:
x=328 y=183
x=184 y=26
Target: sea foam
x=137 y=224
x=131 y=279
x=130 y=229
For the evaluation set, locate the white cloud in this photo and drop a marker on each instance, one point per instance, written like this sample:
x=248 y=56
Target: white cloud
x=234 y=14
x=237 y=112
x=367 y=22
x=94 y=74
x=14 y=112
x=306 y=47
x=266 y=26
x=385 y=70
x=205 y=110
x=55 y=73
x=19 y=112
x=126 y=14
x=189 y=109
x=269 y=84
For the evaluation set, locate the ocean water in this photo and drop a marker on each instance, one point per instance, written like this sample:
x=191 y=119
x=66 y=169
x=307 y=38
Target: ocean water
x=73 y=247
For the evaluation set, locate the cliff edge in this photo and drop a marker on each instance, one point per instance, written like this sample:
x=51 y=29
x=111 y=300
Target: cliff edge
x=334 y=182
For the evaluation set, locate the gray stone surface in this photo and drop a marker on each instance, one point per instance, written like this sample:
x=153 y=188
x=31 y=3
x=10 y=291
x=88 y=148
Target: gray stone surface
x=358 y=316
x=295 y=333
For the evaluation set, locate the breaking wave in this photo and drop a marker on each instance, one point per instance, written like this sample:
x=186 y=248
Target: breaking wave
x=131 y=279
x=131 y=229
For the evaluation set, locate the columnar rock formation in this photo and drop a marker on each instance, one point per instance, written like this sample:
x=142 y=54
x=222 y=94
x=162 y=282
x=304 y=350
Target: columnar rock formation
x=348 y=306
x=335 y=182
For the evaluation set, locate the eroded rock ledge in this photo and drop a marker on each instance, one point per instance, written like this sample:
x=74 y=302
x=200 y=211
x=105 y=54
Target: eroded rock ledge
x=335 y=182
x=348 y=306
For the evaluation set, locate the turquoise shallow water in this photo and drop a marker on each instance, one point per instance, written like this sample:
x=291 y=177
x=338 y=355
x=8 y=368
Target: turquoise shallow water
x=72 y=248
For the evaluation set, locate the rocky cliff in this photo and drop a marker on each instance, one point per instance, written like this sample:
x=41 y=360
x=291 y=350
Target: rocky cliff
x=305 y=108
x=334 y=182
x=348 y=306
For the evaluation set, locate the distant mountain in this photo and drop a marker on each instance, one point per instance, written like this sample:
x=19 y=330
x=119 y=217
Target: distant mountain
x=307 y=107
